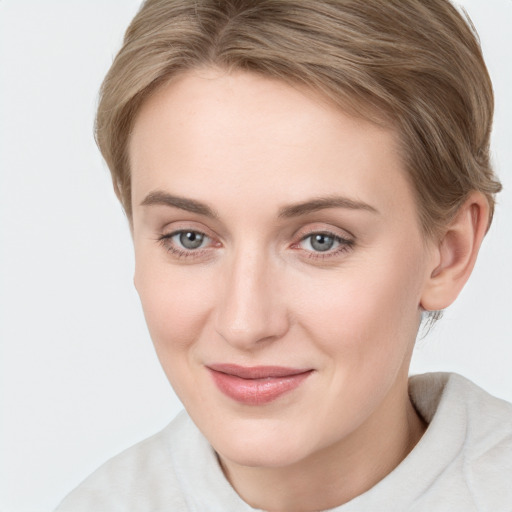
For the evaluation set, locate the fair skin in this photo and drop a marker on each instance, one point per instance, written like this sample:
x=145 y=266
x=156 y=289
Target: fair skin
x=304 y=250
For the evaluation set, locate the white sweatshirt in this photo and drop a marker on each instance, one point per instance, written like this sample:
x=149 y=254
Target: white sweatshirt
x=463 y=463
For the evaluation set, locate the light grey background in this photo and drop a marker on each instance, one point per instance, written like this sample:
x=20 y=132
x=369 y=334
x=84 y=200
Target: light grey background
x=80 y=380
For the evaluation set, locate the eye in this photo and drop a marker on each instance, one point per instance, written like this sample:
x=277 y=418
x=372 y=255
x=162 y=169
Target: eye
x=185 y=242
x=324 y=245
x=320 y=242
x=189 y=239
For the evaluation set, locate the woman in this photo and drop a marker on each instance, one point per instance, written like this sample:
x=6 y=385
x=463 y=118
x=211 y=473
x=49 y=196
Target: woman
x=304 y=183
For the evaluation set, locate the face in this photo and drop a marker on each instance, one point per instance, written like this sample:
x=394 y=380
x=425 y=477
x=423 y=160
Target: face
x=279 y=261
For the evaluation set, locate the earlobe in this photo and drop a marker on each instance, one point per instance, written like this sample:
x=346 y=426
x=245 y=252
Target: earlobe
x=456 y=253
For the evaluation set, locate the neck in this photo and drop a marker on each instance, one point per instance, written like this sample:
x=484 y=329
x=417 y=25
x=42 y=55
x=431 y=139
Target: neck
x=339 y=473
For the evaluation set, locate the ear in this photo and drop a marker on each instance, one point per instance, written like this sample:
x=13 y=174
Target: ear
x=455 y=253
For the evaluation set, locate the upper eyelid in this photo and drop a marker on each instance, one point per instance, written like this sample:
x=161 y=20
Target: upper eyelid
x=175 y=232
x=301 y=234
x=342 y=241
x=324 y=232
x=168 y=231
x=172 y=234
x=165 y=240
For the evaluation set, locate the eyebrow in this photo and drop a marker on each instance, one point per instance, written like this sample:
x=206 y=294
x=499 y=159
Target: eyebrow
x=161 y=198
x=323 y=203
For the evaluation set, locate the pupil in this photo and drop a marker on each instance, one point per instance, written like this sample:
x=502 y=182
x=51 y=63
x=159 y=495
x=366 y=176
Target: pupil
x=322 y=242
x=191 y=240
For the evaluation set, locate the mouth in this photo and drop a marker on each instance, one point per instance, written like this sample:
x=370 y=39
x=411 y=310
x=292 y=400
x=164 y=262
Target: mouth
x=256 y=385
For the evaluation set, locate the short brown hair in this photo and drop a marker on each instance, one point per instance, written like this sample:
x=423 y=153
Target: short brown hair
x=416 y=64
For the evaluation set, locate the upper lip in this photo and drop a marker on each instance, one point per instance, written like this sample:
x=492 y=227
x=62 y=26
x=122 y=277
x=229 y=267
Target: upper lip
x=257 y=372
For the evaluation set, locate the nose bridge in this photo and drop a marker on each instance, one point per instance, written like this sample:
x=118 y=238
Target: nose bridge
x=250 y=311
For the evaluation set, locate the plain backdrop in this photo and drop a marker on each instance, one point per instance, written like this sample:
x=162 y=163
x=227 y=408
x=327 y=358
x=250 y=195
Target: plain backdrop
x=80 y=381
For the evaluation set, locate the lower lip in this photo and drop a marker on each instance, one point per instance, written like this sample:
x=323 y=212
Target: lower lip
x=257 y=391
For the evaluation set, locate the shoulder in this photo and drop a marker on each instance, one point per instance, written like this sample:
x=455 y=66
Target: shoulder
x=479 y=427
x=487 y=420
x=143 y=477
x=437 y=393
x=488 y=447
x=159 y=474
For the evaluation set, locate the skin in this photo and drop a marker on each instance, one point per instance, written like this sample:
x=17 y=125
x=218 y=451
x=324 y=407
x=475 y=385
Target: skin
x=257 y=292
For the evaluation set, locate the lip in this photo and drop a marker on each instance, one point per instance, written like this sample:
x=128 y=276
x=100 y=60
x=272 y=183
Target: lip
x=256 y=385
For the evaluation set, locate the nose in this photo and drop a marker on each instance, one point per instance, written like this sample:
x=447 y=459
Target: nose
x=251 y=310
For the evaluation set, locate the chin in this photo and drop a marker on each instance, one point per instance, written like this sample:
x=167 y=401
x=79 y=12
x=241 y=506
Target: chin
x=261 y=458
x=262 y=446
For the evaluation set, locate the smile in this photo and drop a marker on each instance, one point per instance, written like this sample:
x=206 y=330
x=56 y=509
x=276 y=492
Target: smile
x=256 y=385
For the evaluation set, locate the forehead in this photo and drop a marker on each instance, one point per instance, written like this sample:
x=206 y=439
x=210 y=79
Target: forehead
x=213 y=134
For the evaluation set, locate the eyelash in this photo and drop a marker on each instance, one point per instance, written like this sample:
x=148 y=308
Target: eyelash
x=181 y=253
x=345 y=245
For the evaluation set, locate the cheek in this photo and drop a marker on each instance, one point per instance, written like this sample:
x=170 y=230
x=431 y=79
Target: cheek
x=176 y=304
x=369 y=311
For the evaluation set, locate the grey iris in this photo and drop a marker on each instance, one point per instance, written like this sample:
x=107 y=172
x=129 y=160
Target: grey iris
x=322 y=242
x=191 y=240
